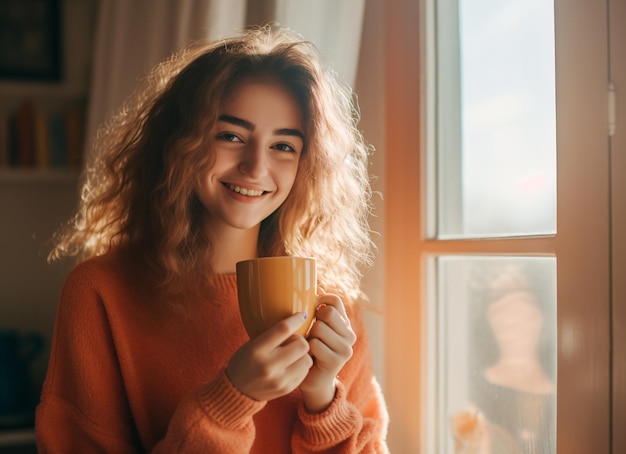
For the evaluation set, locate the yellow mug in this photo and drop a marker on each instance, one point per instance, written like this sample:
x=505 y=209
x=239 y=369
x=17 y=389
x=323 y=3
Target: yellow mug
x=271 y=289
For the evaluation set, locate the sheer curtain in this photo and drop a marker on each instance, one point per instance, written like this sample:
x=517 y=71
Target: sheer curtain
x=131 y=37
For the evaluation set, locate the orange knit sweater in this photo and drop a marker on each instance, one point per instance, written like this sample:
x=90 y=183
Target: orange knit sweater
x=131 y=373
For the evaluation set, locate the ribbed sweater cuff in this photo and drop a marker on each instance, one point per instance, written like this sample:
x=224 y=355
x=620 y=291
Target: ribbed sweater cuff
x=224 y=404
x=337 y=422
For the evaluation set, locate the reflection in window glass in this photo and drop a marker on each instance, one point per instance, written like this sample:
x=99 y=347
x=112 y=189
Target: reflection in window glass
x=496 y=358
x=496 y=131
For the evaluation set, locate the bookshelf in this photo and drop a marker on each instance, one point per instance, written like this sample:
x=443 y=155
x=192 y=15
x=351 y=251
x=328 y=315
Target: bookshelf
x=19 y=176
x=15 y=437
x=12 y=90
x=34 y=113
x=36 y=196
x=41 y=130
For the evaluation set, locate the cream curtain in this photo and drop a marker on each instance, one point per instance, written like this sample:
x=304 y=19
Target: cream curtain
x=333 y=25
x=132 y=36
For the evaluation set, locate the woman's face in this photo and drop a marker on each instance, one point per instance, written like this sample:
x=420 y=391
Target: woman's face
x=257 y=142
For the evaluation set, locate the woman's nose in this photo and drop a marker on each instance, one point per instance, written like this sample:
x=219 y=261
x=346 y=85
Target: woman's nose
x=254 y=161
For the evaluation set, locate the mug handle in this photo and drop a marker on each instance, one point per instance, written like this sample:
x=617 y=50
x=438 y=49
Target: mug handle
x=317 y=299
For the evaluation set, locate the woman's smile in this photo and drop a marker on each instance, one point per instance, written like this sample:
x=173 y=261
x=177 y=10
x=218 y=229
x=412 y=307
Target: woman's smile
x=257 y=142
x=245 y=192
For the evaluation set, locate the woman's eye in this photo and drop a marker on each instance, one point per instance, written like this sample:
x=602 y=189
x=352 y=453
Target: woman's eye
x=285 y=147
x=229 y=137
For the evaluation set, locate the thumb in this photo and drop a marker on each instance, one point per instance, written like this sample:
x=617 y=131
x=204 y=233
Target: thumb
x=281 y=331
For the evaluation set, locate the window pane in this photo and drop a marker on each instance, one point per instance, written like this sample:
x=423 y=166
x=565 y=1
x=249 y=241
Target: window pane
x=496 y=359
x=496 y=127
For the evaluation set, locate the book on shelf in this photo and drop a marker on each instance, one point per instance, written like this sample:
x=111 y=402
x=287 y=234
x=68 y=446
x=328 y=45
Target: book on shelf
x=4 y=139
x=31 y=137
x=42 y=140
x=74 y=129
x=25 y=134
x=58 y=141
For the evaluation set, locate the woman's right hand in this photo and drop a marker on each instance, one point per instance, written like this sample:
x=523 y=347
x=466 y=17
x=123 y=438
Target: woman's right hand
x=272 y=364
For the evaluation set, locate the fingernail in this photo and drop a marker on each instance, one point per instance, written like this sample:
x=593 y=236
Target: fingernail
x=321 y=306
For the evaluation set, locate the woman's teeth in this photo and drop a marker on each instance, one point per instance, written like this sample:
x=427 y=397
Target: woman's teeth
x=244 y=191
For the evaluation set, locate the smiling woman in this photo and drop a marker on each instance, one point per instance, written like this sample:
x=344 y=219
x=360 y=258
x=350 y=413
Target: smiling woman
x=234 y=149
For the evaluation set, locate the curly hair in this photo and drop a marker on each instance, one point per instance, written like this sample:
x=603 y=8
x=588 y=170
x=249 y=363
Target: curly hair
x=138 y=191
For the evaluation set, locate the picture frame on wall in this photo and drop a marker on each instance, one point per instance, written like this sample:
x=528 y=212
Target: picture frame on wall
x=30 y=40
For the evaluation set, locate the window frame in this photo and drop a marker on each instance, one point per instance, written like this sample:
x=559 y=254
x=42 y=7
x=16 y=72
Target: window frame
x=582 y=244
x=617 y=59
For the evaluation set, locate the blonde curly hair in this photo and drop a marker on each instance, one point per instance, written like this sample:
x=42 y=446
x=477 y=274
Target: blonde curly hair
x=138 y=191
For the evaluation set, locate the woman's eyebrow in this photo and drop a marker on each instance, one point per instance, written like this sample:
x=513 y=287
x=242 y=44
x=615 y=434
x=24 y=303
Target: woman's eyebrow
x=250 y=126
x=289 y=132
x=237 y=121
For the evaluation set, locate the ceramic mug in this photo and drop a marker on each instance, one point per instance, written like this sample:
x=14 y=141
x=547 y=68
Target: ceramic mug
x=271 y=289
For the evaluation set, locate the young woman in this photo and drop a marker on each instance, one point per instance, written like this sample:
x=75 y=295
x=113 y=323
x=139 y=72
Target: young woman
x=235 y=149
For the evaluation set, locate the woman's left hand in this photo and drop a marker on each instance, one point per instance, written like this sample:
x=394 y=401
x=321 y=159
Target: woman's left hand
x=330 y=339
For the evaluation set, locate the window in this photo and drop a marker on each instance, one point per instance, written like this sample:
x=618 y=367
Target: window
x=493 y=118
x=501 y=226
x=495 y=355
